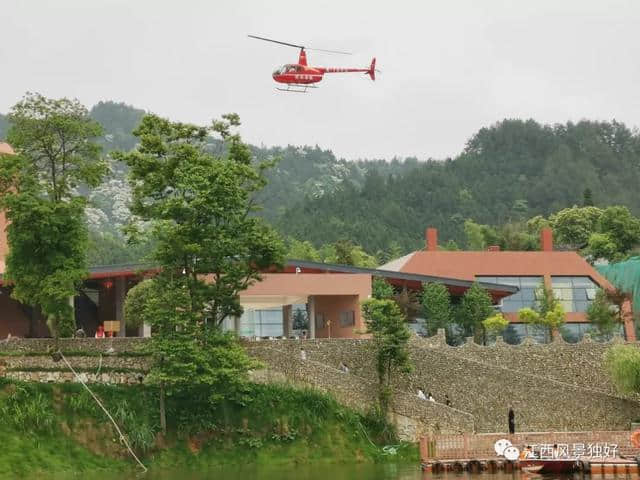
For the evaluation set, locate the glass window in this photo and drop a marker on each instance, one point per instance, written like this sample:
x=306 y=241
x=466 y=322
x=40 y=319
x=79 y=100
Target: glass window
x=347 y=319
x=572 y=332
x=487 y=279
x=525 y=297
x=515 y=333
x=581 y=305
x=531 y=282
x=561 y=282
x=261 y=323
x=584 y=282
x=575 y=293
x=515 y=281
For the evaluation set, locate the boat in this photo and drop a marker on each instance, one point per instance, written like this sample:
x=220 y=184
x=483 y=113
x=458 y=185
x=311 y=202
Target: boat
x=555 y=465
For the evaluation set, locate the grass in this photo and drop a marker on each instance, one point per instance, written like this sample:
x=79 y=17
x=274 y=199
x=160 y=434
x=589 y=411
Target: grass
x=55 y=428
x=39 y=454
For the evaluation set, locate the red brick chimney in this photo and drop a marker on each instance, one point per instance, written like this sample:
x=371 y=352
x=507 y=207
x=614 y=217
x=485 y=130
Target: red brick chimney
x=432 y=239
x=494 y=248
x=546 y=239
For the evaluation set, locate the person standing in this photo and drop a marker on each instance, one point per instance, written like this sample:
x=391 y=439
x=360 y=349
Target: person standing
x=512 y=421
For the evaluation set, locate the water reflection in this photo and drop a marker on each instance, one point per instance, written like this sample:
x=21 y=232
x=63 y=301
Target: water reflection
x=324 y=472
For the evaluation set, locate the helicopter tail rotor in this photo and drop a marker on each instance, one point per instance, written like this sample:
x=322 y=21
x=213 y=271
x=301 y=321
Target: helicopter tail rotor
x=372 y=69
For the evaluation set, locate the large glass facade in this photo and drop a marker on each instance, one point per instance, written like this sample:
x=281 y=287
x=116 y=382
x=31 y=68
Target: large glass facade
x=516 y=332
x=573 y=332
x=257 y=323
x=525 y=297
x=575 y=293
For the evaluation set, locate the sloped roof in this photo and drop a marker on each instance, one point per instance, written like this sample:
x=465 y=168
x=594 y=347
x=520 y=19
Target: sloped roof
x=468 y=265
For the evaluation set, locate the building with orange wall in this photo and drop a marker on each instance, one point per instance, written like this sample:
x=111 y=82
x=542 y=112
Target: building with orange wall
x=573 y=280
x=328 y=296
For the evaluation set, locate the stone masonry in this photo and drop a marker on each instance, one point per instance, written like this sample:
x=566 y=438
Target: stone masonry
x=568 y=390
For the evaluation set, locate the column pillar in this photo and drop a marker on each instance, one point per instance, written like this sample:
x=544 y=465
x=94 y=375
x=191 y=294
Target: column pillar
x=145 y=330
x=287 y=320
x=626 y=312
x=120 y=291
x=312 y=316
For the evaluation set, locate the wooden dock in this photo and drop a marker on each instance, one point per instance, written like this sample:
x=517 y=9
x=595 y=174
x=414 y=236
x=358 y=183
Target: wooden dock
x=606 y=468
x=611 y=467
x=475 y=453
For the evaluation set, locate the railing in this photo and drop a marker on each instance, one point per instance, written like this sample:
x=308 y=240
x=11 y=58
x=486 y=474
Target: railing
x=469 y=446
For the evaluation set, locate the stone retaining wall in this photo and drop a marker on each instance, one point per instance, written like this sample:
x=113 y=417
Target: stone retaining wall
x=413 y=417
x=580 y=364
x=45 y=362
x=94 y=345
x=115 y=378
x=478 y=381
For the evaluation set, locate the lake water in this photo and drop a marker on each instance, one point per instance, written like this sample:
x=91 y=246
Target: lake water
x=325 y=472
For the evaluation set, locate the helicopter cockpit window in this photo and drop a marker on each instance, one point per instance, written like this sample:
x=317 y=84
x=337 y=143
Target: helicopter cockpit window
x=280 y=71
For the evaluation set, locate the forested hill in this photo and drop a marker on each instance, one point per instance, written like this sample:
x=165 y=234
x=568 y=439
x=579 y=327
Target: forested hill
x=300 y=173
x=510 y=171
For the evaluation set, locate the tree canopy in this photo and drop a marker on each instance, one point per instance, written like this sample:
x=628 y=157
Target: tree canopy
x=57 y=155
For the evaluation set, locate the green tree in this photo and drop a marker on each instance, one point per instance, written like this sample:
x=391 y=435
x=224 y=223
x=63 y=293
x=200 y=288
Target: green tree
x=601 y=245
x=302 y=250
x=200 y=207
x=602 y=315
x=208 y=245
x=475 y=307
x=381 y=289
x=495 y=324
x=623 y=364
x=475 y=237
x=537 y=223
x=620 y=228
x=48 y=234
x=548 y=313
x=300 y=320
x=573 y=226
x=587 y=198
x=390 y=339
x=345 y=252
x=436 y=305
x=551 y=321
x=139 y=297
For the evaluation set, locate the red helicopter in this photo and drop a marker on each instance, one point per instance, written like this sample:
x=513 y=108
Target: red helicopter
x=300 y=76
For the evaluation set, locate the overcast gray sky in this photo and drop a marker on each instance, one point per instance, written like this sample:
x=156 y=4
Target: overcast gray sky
x=448 y=67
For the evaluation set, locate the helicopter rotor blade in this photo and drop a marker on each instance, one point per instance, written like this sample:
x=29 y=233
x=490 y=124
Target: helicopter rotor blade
x=275 y=41
x=329 y=51
x=298 y=46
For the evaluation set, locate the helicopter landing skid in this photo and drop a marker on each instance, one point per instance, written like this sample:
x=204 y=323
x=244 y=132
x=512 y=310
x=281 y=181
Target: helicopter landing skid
x=296 y=88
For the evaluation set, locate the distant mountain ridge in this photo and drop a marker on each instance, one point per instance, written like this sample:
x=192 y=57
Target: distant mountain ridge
x=509 y=171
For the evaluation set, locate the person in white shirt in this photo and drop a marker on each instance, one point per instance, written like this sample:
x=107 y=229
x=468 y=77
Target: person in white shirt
x=303 y=354
x=430 y=398
x=421 y=395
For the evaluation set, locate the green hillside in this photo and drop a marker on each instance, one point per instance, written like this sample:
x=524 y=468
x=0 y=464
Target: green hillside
x=508 y=172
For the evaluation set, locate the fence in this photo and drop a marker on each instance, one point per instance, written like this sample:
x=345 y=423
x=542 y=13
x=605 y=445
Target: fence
x=470 y=446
